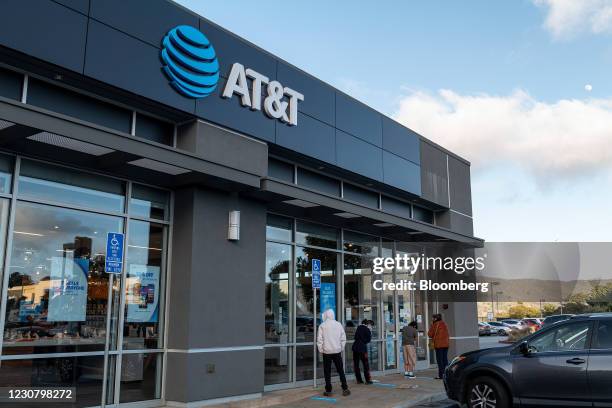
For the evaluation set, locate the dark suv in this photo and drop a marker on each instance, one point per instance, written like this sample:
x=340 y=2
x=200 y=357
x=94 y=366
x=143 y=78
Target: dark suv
x=568 y=364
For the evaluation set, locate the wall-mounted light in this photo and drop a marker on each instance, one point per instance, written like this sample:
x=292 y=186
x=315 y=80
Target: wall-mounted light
x=233 y=229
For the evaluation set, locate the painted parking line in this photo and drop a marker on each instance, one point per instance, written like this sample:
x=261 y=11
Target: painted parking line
x=326 y=399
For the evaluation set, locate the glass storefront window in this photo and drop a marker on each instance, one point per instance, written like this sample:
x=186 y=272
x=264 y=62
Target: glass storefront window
x=373 y=357
x=39 y=181
x=140 y=377
x=85 y=373
x=293 y=360
x=149 y=202
x=279 y=228
x=58 y=291
x=360 y=243
x=144 y=268
x=360 y=299
x=308 y=233
x=303 y=363
x=278 y=263
x=6 y=173
x=303 y=291
x=277 y=361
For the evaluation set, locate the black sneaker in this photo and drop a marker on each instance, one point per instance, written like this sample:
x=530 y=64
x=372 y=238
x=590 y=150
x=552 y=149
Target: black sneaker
x=327 y=394
x=359 y=381
x=369 y=382
x=346 y=392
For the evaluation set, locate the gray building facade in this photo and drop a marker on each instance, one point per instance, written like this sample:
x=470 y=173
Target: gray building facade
x=96 y=138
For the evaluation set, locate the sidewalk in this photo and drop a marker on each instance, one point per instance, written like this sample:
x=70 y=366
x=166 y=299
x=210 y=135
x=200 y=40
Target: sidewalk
x=393 y=391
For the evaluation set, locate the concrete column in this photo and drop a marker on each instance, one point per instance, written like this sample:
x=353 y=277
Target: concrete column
x=216 y=299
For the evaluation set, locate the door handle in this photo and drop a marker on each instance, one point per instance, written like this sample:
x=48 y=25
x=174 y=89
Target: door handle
x=576 y=361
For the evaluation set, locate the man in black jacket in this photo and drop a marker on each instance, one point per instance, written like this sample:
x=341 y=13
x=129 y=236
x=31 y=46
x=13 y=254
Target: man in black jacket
x=363 y=336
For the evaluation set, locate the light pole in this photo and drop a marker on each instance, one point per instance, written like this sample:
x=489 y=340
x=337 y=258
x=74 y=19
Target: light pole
x=499 y=292
x=493 y=304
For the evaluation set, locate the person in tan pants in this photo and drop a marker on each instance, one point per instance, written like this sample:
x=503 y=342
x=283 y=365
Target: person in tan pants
x=409 y=342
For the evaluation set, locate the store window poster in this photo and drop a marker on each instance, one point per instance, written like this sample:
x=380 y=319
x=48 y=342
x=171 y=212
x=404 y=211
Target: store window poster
x=327 y=298
x=142 y=294
x=68 y=289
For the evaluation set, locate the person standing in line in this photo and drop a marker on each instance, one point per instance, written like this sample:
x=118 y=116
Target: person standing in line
x=331 y=340
x=363 y=335
x=438 y=333
x=409 y=342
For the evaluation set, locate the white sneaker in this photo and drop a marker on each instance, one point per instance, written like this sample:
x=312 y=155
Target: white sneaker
x=406 y=373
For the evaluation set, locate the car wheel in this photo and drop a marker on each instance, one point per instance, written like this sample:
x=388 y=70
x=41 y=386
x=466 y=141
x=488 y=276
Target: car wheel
x=486 y=392
x=501 y=332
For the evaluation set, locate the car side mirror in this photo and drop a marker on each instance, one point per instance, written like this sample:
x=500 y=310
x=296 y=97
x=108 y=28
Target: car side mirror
x=523 y=348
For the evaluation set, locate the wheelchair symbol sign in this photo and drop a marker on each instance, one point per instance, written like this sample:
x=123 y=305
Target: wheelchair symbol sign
x=114 y=252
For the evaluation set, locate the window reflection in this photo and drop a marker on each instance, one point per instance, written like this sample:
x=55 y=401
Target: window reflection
x=149 y=202
x=304 y=293
x=304 y=363
x=359 y=296
x=143 y=281
x=308 y=233
x=58 y=291
x=6 y=173
x=278 y=259
x=140 y=377
x=360 y=243
x=279 y=228
x=85 y=373
x=57 y=184
x=276 y=365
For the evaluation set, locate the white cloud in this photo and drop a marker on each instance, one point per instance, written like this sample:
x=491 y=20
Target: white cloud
x=565 y=18
x=551 y=141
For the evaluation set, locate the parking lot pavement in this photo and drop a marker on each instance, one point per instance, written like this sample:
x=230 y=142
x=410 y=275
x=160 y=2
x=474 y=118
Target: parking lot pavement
x=393 y=391
x=439 y=404
x=491 y=341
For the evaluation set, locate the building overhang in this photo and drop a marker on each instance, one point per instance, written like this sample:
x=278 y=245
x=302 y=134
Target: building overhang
x=55 y=137
x=300 y=202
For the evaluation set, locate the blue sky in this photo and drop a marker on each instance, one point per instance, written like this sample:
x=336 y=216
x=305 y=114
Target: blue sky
x=503 y=80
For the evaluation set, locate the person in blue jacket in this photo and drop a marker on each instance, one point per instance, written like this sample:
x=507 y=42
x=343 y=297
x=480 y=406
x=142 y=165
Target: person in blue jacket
x=363 y=336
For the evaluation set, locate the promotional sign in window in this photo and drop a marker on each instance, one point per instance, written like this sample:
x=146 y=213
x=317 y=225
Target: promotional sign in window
x=68 y=289
x=328 y=297
x=142 y=294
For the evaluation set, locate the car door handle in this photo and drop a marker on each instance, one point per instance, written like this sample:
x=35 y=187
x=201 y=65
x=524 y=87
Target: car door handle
x=576 y=361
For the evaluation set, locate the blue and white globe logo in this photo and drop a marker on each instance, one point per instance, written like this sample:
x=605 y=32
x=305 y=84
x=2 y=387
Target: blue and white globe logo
x=189 y=62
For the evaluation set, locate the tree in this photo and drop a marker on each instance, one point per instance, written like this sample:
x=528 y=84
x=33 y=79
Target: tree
x=549 y=309
x=519 y=311
x=19 y=279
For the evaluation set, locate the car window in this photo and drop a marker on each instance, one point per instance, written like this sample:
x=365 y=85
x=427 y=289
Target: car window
x=603 y=339
x=565 y=338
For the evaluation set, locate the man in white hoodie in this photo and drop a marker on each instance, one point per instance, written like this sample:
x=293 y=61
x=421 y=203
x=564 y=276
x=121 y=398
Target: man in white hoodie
x=331 y=340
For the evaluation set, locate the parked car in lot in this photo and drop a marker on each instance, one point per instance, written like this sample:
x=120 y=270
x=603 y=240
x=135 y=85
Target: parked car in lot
x=484 y=329
x=513 y=323
x=555 y=318
x=532 y=322
x=566 y=364
x=500 y=328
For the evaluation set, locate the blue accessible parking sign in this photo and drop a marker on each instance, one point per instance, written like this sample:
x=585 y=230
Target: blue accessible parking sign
x=114 y=253
x=316 y=273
